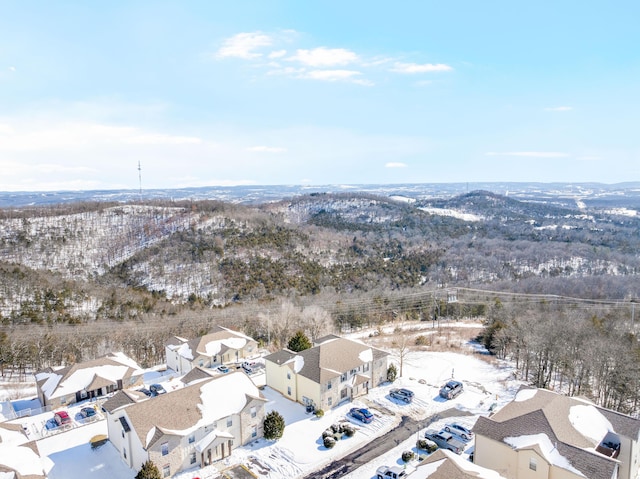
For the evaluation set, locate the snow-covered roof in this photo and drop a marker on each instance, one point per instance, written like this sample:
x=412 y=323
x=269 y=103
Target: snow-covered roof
x=217 y=342
x=105 y=370
x=574 y=427
x=201 y=404
x=549 y=451
x=444 y=464
x=24 y=460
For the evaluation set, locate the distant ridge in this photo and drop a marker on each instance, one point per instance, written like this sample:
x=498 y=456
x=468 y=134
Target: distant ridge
x=254 y=194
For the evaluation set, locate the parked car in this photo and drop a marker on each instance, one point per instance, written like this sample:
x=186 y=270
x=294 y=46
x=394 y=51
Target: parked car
x=157 y=389
x=402 y=394
x=223 y=369
x=248 y=367
x=62 y=418
x=445 y=440
x=393 y=472
x=451 y=389
x=459 y=430
x=361 y=414
x=87 y=412
x=145 y=391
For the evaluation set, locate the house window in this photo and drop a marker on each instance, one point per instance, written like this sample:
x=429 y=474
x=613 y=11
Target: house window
x=192 y=438
x=330 y=401
x=124 y=452
x=254 y=431
x=229 y=422
x=532 y=464
x=343 y=378
x=83 y=394
x=328 y=385
x=288 y=375
x=201 y=363
x=166 y=470
x=354 y=371
x=253 y=412
x=192 y=458
x=289 y=390
x=123 y=433
x=365 y=367
x=165 y=448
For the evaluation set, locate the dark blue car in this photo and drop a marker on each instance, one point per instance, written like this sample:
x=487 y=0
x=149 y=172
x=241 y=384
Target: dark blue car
x=361 y=414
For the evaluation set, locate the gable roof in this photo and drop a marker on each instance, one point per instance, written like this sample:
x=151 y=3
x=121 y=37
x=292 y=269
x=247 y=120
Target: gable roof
x=332 y=357
x=19 y=455
x=554 y=425
x=184 y=410
x=444 y=464
x=217 y=342
x=88 y=375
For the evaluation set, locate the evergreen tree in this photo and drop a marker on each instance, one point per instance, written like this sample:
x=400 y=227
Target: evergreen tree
x=299 y=342
x=392 y=373
x=273 y=425
x=148 y=471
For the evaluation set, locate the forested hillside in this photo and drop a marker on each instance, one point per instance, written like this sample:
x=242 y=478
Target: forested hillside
x=77 y=280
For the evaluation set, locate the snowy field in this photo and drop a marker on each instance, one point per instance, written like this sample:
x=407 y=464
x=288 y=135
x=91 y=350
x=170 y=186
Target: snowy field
x=300 y=451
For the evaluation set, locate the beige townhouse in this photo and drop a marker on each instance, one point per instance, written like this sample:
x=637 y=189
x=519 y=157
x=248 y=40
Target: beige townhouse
x=543 y=434
x=335 y=369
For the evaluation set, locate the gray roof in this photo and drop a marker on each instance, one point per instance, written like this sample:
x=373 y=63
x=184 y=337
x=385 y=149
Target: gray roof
x=196 y=374
x=548 y=413
x=119 y=399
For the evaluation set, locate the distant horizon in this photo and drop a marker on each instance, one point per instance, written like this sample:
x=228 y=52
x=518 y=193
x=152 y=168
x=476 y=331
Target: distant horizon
x=326 y=185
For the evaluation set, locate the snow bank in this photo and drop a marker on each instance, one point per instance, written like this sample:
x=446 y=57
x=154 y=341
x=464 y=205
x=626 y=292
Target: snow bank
x=525 y=395
x=366 y=356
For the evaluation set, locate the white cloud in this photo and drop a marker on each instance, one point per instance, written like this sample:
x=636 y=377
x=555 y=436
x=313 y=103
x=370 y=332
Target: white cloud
x=531 y=154
x=559 y=108
x=395 y=164
x=331 y=75
x=74 y=135
x=12 y=69
x=420 y=68
x=277 y=54
x=242 y=45
x=324 y=57
x=266 y=149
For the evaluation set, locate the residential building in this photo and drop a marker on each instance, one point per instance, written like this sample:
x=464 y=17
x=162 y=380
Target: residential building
x=187 y=428
x=221 y=346
x=542 y=434
x=99 y=377
x=335 y=369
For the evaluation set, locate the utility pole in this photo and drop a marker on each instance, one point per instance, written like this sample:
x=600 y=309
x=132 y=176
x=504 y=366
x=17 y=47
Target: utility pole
x=140 y=179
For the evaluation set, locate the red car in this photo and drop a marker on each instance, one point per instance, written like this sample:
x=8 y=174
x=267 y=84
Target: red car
x=61 y=418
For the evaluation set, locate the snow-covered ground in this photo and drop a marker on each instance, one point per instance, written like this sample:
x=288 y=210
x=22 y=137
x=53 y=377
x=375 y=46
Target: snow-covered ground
x=300 y=451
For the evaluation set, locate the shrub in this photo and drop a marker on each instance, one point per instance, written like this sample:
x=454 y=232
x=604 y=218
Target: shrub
x=273 y=425
x=392 y=373
x=422 y=340
x=348 y=430
x=299 y=342
x=336 y=428
x=426 y=445
x=319 y=413
x=148 y=471
x=408 y=455
x=327 y=433
x=329 y=442
x=337 y=436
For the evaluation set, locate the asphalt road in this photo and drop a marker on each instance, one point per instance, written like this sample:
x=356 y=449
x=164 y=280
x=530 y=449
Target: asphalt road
x=379 y=445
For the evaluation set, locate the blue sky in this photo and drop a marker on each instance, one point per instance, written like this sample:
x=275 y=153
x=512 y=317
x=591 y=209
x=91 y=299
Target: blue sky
x=308 y=92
